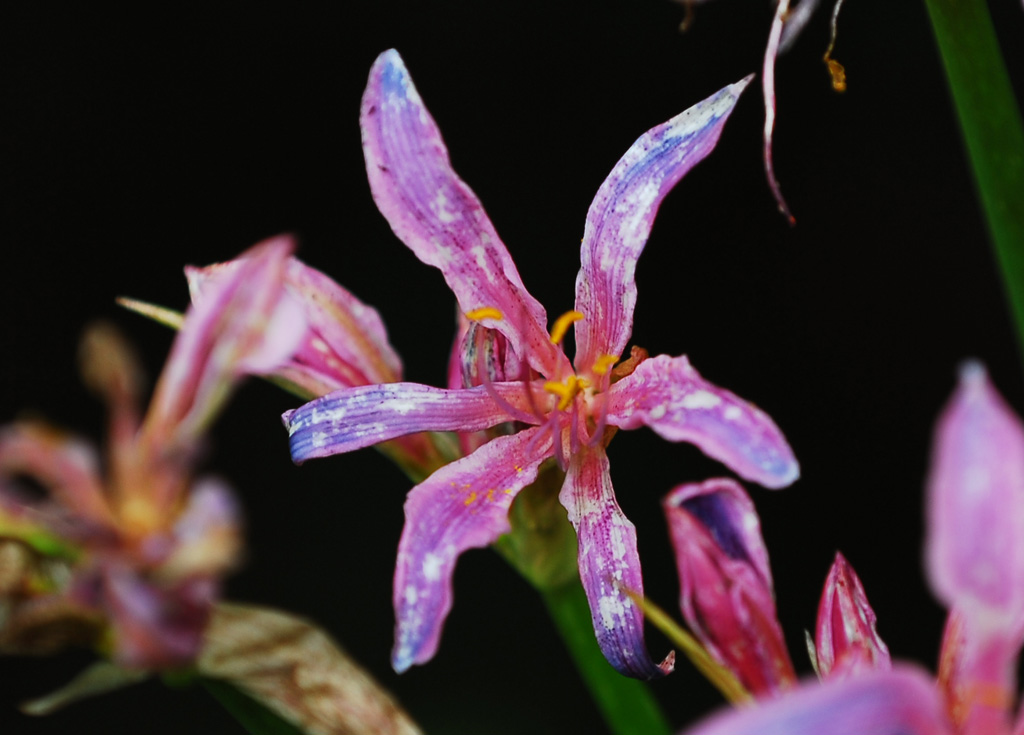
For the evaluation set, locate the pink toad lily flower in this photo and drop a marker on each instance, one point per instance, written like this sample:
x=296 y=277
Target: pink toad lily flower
x=345 y=345
x=974 y=554
x=725 y=583
x=846 y=641
x=143 y=548
x=563 y=412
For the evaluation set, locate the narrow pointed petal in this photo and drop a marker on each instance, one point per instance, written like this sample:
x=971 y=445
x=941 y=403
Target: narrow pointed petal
x=975 y=542
x=622 y=214
x=464 y=505
x=669 y=395
x=67 y=468
x=725 y=584
x=768 y=85
x=609 y=565
x=241 y=327
x=898 y=702
x=346 y=343
x=353 y=418
x=438 y=216
x=846 y=640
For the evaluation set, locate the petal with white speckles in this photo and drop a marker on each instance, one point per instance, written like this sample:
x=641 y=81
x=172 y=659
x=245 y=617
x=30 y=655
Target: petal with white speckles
x=438 y=216
x=609 y=565
x=353 y=418
x=464 y=505
x=622 y=214
x=669 y=395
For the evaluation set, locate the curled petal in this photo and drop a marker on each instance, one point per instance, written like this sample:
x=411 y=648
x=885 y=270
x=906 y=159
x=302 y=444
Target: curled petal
x=975 y=542
x=668 y=395
x=346 y=343
x=622 y=214
x=609 y=565
x=725 y=584
x=353 y=418
x=241 y=327
x=464 y=505
x=846 y=640
x=438 y=216
x=898 y=702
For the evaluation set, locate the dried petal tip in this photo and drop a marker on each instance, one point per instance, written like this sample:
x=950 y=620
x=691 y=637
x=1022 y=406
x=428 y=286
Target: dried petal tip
x=975 y=543
x=846 y=639
x=725 y=583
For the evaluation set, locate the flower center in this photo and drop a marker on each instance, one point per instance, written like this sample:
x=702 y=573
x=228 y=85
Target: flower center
x=566 y=391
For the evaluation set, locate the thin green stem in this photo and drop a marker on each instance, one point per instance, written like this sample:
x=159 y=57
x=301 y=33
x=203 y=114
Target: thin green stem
x=627 y=705
x=991 y=124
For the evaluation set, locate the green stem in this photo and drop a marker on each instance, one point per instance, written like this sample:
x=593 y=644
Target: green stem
x=991 y=126
x=627 y=705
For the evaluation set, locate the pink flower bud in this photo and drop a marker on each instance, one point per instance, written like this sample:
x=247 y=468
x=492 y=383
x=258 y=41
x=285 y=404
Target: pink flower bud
x=846 y=640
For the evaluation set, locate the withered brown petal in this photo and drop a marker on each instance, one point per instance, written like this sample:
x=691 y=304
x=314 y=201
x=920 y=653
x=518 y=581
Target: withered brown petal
x=295 y=669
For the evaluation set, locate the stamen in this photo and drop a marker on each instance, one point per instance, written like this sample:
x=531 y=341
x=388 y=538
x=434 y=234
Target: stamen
x=561 y=325
x=604 y=363
x=566 y=391
x=835 y=69
x=485 y=312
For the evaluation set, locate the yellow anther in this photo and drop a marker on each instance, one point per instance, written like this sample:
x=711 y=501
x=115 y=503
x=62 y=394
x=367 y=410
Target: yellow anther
x=485 y=312
x=566 y=391
x=562 y=325
x=604 y=363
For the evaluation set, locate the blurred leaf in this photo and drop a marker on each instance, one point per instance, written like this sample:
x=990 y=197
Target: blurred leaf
x=295 y=670
x=100 y=678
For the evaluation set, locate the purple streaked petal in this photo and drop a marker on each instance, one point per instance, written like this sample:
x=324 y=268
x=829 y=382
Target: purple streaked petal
x=622 y=214
x=353 y=418
x=898 y=702
x=846 y=641
x=438 y=216
x=974 y=547
x=242 y=326
x=725 y=585
x=609 y=565
x=464 y=505
x=669 y=395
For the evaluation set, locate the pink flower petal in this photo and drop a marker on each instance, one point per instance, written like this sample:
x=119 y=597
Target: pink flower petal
x=975 y=542
x=846 y=641
x=621 y=216
x=346 y=343
x=438 y=216
x=768 y=84
x=668 y=395
x=464 y=505
x=898 y=702
x=353 y=418
x=725 y=584
x=238 y=328
x=609 y=565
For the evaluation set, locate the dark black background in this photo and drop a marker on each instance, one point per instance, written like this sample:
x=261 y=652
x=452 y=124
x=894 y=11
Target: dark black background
x=134 y=142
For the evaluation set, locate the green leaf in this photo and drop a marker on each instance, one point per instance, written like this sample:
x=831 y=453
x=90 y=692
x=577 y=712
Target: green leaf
x=253 y=716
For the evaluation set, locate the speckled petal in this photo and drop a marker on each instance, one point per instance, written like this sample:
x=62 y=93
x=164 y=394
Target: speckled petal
x=353 y=418
x=975 y=543
x=609 y=565
x=464 y=505
x=622 y=214
x=668 y=395
x=438 y=216
x=898 y=702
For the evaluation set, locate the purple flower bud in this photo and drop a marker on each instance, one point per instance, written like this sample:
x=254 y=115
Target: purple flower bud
x=846 y=640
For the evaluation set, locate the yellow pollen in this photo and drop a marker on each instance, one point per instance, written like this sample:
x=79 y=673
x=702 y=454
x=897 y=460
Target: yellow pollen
x=566 y=391
x=470 y=499
x=562 y=325
x=604 y=363
x=485 y=312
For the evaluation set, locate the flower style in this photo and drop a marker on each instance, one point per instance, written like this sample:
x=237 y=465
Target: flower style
x=975 y=564
x=563 y=410
x=131 y=562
